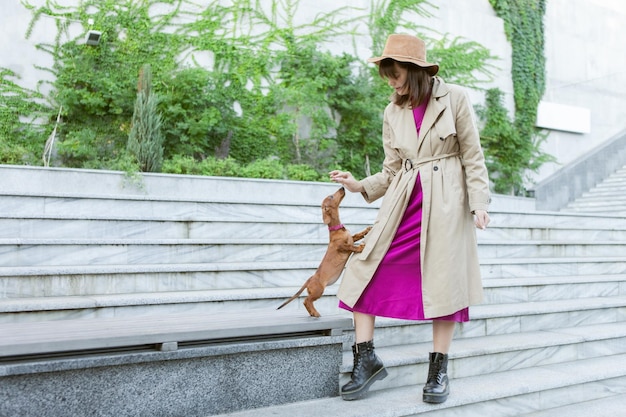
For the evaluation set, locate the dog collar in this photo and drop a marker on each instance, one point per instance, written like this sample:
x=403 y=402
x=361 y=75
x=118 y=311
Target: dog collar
x=333 y=228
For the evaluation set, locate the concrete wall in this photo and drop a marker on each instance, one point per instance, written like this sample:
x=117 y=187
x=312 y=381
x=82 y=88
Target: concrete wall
x=580 y=175
x=586 y=65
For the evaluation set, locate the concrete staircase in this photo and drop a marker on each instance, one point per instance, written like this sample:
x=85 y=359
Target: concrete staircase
x=549 y=340
x=608 y=197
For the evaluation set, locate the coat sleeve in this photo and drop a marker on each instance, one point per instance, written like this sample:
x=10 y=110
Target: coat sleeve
x=476 y=177
x=375 y=186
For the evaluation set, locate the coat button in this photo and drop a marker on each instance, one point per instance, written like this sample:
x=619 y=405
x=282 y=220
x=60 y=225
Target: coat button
x=436 y=168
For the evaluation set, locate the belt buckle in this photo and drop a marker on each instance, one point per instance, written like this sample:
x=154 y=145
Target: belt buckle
x=408 y=165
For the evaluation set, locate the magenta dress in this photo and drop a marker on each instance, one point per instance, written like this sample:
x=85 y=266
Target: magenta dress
x=395 y=290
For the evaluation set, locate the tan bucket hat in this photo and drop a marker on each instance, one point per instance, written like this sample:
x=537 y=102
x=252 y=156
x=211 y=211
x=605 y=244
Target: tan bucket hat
x=406 y=48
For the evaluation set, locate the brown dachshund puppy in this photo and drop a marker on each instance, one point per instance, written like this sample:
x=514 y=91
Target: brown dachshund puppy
x=340 y=247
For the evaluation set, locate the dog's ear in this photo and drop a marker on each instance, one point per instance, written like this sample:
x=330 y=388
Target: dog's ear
x=325 y=214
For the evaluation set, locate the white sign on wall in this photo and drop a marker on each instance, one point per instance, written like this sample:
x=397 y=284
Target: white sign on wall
x=561 y=117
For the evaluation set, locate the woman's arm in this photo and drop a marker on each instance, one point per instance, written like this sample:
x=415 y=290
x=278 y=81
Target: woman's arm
x=476 y=177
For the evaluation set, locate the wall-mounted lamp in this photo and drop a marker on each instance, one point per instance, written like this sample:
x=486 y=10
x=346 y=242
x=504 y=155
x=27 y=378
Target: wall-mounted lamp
x=93 y=37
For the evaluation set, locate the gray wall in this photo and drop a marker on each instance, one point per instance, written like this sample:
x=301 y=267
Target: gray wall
x=569 y=183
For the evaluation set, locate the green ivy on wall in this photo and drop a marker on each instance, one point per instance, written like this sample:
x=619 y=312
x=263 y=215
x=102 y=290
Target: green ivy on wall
x=516 y=149
x=523 y=25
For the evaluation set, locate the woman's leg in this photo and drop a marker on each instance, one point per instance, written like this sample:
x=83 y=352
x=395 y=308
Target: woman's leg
x=368 y=368
x=363 y=327
x=437 y=387
x=443 y=331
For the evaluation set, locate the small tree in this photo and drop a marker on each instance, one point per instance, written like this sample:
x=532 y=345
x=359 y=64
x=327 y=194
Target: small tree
x=145 y=140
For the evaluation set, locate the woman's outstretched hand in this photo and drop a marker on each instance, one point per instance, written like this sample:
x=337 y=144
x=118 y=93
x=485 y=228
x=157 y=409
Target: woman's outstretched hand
x=347 y=180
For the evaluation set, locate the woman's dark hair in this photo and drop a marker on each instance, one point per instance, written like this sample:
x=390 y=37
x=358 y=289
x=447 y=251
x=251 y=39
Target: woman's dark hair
x=418 y=80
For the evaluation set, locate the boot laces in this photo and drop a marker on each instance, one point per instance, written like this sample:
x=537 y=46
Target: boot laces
x=435 y=372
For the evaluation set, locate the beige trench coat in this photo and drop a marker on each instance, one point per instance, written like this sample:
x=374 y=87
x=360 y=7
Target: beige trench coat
x=449 y=159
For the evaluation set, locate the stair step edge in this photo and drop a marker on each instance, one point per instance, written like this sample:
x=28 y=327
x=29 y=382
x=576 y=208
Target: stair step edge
x=407 y=401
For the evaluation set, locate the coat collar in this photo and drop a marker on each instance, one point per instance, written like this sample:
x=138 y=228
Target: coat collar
x=402 y=116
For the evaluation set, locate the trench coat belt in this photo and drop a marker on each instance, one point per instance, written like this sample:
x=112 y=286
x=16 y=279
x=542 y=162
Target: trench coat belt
x=410 y=165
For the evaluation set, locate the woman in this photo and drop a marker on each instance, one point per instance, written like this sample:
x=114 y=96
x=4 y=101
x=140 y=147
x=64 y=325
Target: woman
x=421 y=258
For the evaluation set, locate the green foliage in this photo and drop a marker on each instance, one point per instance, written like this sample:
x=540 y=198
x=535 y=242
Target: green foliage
x=145 y=140
x=227 y=167
x=96 y=85
x=359 y=100
x=387 y=16
x=302 y=172
x=523 y=24
x=79 y=147
x=193 y=122
x=181 y=164
x=211 y=166
x=268 y=99
x=22 y=113
x=269 y=168
x=462 y=61
x=509 y=155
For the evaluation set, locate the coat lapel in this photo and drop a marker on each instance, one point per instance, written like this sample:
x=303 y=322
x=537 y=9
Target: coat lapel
x=436 y=106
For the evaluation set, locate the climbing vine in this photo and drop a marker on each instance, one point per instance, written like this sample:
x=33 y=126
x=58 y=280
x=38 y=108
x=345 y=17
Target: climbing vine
x=523 y=25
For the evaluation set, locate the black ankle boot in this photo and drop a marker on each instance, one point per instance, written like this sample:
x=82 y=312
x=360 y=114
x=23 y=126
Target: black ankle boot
x=437 y=387
x=368 y=368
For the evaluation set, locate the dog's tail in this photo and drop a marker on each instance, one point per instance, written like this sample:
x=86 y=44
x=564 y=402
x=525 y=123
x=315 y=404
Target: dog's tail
x=296 y=295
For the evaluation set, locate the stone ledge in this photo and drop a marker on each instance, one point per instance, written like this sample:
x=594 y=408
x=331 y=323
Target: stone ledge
x=44 y=338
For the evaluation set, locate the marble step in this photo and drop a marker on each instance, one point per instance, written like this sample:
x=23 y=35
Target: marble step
x=614 y=185
x=533 y=267
x=611 y=405
x=70 y=183
x=615 y=211
x=156 y=209
x=64 y=182
x=68 y=280
x=407 y=364
x=616 y=189
x=487 y=318
x=55 y=228
x=503 y=226
x=508 y=319
x=618 y=211
x=502 y=394
x=278 y=283
x=618 y=177
x=33 y=252
x=607 y=201
x=497 y=291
